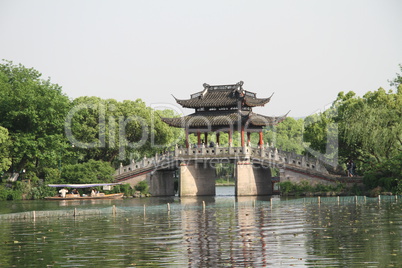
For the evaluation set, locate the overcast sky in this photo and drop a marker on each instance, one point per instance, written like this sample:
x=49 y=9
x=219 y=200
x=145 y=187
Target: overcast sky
x=304 y=51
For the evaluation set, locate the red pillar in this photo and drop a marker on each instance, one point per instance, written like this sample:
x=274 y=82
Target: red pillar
x=198 y=139
x=261 y=140
x=217 y=138
x=230 y=138
x=242 y=136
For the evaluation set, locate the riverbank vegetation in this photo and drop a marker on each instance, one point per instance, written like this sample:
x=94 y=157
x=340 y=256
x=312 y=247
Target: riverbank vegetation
x=46 y=137
x=366 y=130
x=304 y=188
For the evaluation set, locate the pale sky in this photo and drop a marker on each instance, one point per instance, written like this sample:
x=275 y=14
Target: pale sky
x=304 y=51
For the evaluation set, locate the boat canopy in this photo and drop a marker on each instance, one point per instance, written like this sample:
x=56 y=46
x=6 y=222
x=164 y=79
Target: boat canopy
x=82 y=185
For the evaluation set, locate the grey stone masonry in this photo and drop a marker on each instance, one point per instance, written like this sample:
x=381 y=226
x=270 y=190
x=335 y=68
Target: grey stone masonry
x=262 y=155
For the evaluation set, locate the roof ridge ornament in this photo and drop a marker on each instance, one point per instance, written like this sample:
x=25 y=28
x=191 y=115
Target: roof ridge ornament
x=206 y=87
x=239 y=89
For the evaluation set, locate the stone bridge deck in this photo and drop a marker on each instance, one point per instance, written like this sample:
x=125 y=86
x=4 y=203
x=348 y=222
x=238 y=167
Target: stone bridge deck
x=199 y=165
x=269 y=157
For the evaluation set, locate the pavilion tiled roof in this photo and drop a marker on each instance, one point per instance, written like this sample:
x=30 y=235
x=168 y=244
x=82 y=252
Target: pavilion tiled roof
x=223 y=96
x=262 y=120
x=252 y=102
x=211 y=119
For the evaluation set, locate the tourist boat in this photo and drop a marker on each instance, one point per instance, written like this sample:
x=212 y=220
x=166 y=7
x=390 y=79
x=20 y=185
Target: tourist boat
x=71 y=196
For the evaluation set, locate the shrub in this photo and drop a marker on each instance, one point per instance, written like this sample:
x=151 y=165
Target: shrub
x=304 y=186
x=286 y=187
x=339 y=187
x=14 y=195
x=4 y=193
x=123 y=188
x=142 y=186
x=41 y=192
x=10 y=194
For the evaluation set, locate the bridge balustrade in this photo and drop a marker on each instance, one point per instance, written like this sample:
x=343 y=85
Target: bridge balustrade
x=271 y=154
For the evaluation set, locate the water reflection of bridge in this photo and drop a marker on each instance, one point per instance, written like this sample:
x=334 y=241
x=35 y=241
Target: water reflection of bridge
x=195 y=169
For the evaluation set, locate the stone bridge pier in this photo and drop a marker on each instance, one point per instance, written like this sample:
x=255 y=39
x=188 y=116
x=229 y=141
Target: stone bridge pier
x=161 y=182
x=197 y=178
x=252 y=179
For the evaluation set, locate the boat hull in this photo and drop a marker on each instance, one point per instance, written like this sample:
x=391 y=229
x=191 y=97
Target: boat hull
x=106 y=196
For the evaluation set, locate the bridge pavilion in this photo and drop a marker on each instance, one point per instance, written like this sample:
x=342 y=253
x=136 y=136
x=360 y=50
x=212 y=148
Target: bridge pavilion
x=223 y=108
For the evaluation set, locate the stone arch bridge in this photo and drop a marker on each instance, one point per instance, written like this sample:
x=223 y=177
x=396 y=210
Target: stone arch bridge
x=195 y=170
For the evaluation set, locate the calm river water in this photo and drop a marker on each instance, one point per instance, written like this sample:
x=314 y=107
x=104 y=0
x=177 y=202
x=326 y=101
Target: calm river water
x=226 y=232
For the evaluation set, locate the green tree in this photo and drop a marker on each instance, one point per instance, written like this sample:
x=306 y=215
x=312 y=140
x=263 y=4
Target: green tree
x=88 y=172
x=287 y=135
x=5 y=158
x=397 y=81
x=369 y=132
x=368 y=129
x=33 y=111
x=144 y=131
x=173 y=135
x=321 y=135
x=114 y=131
x=371 y=126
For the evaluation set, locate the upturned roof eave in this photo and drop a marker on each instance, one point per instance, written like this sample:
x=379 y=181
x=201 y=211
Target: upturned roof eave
x=253 y=102
x=256 y=102
x=273 y=120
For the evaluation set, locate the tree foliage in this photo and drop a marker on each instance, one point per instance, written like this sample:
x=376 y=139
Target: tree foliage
x=88 y=172
x=114 y=131
x=5 y=143
x=371 y=125
x=369 y=131
x=287 y=135
x=33 y=110
x=48 y=136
